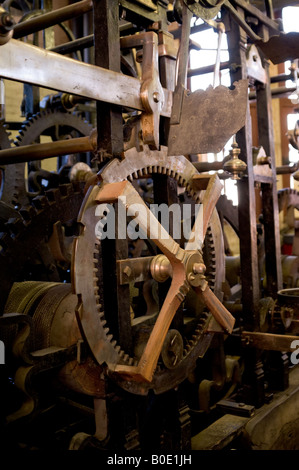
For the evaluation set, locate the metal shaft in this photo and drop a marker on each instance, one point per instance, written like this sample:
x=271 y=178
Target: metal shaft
x=207 y=69
x=208 y=166
x=52 y=18
x=287 y=169
x=73 y=46
x=33 y=152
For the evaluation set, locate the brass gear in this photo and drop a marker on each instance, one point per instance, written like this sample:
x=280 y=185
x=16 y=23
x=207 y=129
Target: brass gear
x=90 y=314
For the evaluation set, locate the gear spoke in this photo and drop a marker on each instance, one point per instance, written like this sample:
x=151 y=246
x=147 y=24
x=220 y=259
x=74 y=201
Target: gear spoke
x=148 y=362
x=220 y=313
x=203 y=217
x=145 y=218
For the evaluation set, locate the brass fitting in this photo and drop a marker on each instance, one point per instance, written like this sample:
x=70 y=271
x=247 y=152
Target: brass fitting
x=160 y=268
x=234 y=165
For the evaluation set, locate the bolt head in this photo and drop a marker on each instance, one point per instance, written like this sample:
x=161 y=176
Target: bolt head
x=156 y=96
x=199 y=268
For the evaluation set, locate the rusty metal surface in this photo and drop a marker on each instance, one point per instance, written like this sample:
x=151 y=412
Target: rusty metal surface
x=206 y=124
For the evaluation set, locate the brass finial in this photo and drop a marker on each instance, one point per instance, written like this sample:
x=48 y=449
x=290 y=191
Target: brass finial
x=234 y=165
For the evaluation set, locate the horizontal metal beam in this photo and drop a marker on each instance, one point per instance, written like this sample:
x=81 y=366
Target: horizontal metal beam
x=269 y=341
x=279 y=92
x=30 y=64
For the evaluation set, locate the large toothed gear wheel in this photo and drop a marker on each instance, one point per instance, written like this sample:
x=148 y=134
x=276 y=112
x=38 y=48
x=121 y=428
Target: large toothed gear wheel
x=288 y=197
x=167 y=355
x=53 y=122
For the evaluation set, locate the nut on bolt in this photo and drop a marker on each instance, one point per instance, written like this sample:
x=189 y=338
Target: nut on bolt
x=6 y=26
x=7 y=21
x=199 y=268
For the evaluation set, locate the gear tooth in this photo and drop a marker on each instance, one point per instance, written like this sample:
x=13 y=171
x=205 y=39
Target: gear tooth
x=66 y=189
x=53 y=195
x=6 y=241
x=40 y=202
x=96 y=291
x=126 y=357
x=27 y=212
x=37 y=203
x=18 y=139
x=14 y=225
